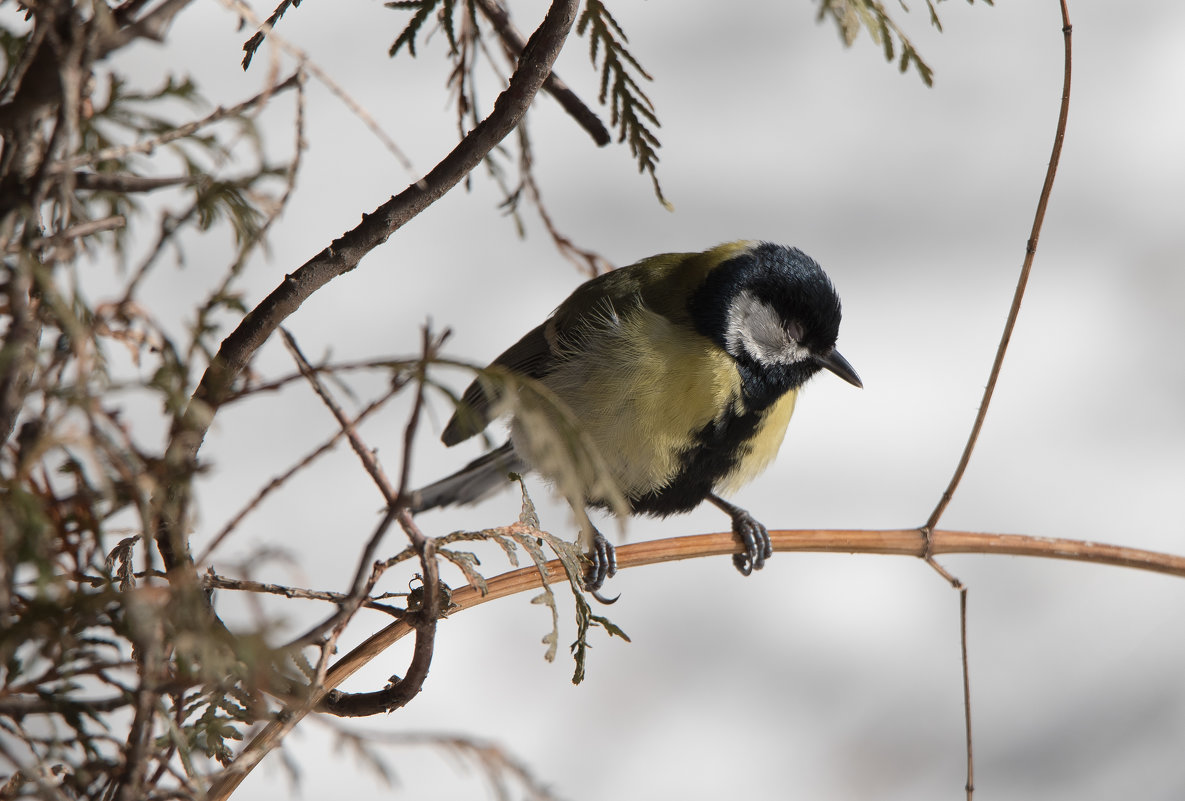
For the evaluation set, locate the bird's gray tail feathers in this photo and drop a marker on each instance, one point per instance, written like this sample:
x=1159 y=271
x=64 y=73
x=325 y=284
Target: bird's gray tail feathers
x=482 y=477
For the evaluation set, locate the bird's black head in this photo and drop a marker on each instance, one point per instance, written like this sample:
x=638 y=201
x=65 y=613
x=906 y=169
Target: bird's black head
x=775 y=311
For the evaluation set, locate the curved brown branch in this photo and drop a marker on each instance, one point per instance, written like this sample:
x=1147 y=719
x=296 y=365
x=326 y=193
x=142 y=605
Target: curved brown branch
x=423 y=622
x=901 y=542
x=898 y=542
x=345 y=252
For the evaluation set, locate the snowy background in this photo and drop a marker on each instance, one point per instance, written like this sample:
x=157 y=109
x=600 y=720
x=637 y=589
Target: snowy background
x=825 y=676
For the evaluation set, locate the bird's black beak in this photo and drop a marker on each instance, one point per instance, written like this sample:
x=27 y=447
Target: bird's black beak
x=839 y=365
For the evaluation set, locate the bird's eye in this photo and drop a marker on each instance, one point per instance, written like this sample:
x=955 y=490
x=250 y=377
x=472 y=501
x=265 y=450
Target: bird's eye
x=795 y=331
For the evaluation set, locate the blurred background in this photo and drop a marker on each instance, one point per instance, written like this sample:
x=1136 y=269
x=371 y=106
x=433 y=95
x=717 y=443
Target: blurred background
x=825 y=676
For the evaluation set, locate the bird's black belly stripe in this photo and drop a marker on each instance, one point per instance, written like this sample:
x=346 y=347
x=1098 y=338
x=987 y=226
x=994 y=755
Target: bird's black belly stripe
x=718 y=447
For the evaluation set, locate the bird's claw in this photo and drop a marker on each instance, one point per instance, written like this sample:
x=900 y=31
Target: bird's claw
x=754 y=536
x=604 y=600
x=604 y=566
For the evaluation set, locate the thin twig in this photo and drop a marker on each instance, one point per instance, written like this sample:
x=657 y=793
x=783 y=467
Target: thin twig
x=127 y=183
x=76 y=231
x=366 y=575
x=360 y=589
x=513 y=43
x=180 y=132
x=170 y=224
x=279 y=480
x=1030 y=252
x=18 y=706
x=332 y=369
x=1013 y=312
x=293 y=713
x=423 y=622
x=215 y=582
x=394 y=497
x=259 y=235
x=588 y=261
x=368 y=572
x=365 y=454
x=489 y=756
x=242 y=9
x=970 y=786
x=430 y=347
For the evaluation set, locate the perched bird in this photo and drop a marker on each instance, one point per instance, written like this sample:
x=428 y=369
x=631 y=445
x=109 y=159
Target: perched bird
x=682 y=370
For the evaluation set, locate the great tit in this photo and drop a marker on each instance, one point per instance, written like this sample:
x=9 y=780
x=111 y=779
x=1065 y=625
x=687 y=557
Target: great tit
x=682 y=370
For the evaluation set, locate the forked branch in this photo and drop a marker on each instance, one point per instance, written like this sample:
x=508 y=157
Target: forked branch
x=1022 y=282
x=988 y=390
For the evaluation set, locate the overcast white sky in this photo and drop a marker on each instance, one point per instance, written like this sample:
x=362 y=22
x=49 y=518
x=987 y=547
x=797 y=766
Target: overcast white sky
x=825 y=676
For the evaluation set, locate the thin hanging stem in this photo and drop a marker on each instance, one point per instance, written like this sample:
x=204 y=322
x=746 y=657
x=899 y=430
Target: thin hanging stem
x=1030 y=252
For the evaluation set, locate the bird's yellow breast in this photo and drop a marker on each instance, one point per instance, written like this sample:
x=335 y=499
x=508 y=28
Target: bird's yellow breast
x=643 y=387
x=763 y=446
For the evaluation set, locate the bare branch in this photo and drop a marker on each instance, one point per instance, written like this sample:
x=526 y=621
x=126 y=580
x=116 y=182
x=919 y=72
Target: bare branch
x=423 y=622
x=279 y=480
x=341 y=367
x=126 y=183
x=259 y=235
x=1026 y=268
x=396 y=505
x=989 y=390
x=365 y=454
x=76 y=231
x=18 y=706
x=216 y=582
x=368 y=572
x=513 y=42
x=587 y=261
x=423 y=619
x=430 y=349
x=970 y=786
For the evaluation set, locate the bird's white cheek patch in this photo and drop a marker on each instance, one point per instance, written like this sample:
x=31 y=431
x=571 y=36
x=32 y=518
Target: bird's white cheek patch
x=753 y=326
